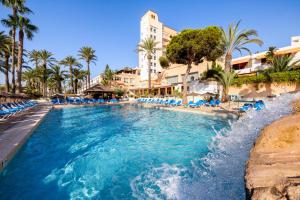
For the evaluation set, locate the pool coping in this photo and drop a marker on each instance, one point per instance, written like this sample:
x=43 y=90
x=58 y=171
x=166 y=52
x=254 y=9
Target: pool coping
x=13 y=138
x=215 y=113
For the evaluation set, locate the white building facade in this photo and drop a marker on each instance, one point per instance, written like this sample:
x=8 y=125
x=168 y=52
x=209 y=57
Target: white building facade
x=256 y=62
x=151 y=27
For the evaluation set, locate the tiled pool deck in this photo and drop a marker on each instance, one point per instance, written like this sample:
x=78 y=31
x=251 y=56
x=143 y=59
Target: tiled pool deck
x=14 y=132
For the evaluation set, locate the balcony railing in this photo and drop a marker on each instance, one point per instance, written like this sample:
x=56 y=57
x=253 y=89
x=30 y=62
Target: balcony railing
x=253 y=69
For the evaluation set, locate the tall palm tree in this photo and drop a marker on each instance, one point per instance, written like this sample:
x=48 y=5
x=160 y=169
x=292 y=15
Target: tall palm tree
x=57 y=75
x=88 y=54
x=46 y=59
x=225 y=79
x=17 y=6
x=148 y=46
x=5 y=50
x=235 y=40
x=71 y=62
x=12 y=23
x=25 y=29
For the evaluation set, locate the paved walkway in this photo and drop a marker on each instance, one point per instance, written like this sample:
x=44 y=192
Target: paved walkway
x=15 y=131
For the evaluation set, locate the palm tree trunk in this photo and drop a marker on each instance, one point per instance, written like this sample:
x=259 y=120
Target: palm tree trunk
x=228 y=59
x=149 y=75
x=76 y=85
x=58 y=86
x=20 y=61
x=86 y=84
x=45 y=81
x=13 y=81
x=89 y=75
x=225 y=94
x=188 y=69
x=6 y=72
x=71 y=78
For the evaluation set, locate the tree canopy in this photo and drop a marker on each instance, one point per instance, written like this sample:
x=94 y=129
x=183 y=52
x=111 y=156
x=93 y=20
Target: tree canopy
x=193 y=45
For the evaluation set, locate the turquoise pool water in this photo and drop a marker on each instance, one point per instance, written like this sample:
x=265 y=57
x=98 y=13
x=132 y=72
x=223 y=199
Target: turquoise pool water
x=110 y=152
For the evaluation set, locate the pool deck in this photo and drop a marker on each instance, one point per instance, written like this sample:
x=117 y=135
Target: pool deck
x=14 y=132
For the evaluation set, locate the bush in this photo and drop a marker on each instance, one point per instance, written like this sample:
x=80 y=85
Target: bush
x=288 y=76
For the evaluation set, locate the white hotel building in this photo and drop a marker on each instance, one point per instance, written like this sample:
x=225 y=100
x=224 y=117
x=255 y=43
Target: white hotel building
x=151 y=27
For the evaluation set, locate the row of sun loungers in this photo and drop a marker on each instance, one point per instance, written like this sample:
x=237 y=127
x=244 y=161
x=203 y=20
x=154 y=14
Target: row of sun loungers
x=173 y=102
x=8 y=110
x=258 y=105
x=170 y=102
x=79 y=100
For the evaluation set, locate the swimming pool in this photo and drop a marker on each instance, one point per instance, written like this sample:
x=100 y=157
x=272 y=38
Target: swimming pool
x=110 y=152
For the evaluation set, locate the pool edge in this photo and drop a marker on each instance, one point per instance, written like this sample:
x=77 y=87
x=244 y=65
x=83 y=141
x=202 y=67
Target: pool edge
x=12 y=139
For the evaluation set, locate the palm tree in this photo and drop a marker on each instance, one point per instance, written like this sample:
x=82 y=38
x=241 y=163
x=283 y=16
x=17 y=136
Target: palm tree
x=34 y=57
x=282 y=63
x=71 y=62
x=78 y=76
x=225 y=79
x=88 y=54
x=57 y=75
x=148 y=46
x=235 y=40
x=11 y=22
x=27 y=29
x=46 y=59
x=17 y=6
x=29 y=76
x=5 y=50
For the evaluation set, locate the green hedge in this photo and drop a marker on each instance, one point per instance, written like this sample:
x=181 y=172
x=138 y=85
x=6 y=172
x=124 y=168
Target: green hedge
x=288 y=76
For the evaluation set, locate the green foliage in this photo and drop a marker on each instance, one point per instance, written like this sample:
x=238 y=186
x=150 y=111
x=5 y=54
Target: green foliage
x=282 y=63
x=119 y=92
x=235 y=39
x=215 y=70
x=192 y=46
x=287 y=76
x=226 y=80
x=177 y=93
x=164 y=63
x=108 y=76
x=148 y=46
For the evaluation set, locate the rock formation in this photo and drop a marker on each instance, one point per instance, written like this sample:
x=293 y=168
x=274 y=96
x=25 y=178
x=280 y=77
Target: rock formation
x=273 y=169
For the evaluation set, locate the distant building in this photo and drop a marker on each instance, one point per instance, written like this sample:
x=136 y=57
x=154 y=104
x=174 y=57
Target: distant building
x=127 y=77
x=151 y=27
x=250 y=64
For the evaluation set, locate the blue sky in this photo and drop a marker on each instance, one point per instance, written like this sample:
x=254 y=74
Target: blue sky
x=111 y=27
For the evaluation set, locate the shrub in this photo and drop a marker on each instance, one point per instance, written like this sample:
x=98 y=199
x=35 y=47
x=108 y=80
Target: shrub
x=288 y=76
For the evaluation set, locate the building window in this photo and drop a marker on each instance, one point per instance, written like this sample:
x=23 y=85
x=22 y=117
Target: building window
x=131 y=80
x=126 y=80
x=154 y=37
x=154 y=64
x=154 y=57
x=153 y=16
x=263 y=61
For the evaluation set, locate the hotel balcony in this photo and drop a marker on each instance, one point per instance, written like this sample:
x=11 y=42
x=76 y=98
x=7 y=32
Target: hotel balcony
x=252 y=69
